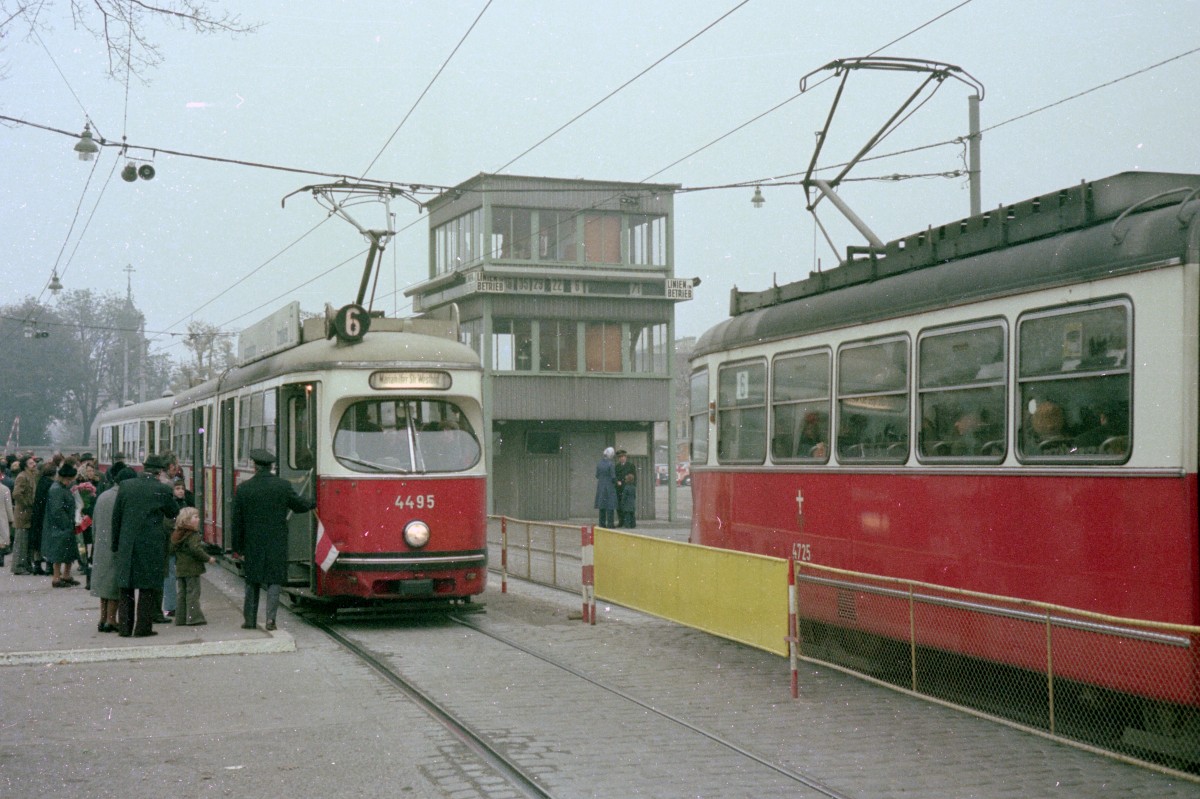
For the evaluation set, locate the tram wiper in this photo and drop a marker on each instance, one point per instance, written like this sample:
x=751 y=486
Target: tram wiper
x=368 y=464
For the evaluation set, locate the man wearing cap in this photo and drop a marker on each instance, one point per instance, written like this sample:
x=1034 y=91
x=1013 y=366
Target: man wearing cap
x=142 y=517
x=260 y=533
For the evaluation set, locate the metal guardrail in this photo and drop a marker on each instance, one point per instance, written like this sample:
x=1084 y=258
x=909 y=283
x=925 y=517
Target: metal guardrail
x=1126 y=688
x=531 y=551
x=1129 y=688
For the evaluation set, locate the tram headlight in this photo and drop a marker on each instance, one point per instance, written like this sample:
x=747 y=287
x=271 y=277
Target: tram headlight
x=416 y=534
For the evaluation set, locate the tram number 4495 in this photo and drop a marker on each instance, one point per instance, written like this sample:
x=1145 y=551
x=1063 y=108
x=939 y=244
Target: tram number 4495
x=414 y=502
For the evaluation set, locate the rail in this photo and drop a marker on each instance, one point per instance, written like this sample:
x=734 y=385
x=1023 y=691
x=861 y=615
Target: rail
x=531 y=551
x=1125 y=687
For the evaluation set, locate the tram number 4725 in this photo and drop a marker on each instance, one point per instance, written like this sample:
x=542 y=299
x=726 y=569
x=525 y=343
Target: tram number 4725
x=417 y=502
x=802 y=552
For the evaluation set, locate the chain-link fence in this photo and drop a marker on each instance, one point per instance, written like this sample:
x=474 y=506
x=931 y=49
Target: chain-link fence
x=1124 y=686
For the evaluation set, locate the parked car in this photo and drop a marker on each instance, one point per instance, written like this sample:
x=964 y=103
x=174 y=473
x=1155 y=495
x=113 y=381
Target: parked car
x=660 y=474
x=683 y=474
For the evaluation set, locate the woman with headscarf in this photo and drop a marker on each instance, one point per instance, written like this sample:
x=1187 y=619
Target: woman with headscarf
x=59 y=547
x=606 y=488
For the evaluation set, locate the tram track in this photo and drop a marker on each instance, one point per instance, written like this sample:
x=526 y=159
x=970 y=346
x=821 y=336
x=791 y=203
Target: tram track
x=473 y=735
x=790 y=774
x=478 y=744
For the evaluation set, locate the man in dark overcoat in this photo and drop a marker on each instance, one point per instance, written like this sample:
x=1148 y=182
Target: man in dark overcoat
x=260 y=534
x=141 y=525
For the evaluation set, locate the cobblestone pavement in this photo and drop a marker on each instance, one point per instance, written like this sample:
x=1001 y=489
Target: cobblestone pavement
x=316 y=722
x=861 y=739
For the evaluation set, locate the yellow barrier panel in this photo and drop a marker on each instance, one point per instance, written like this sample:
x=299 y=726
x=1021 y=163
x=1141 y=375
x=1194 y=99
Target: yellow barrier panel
x=735 y=595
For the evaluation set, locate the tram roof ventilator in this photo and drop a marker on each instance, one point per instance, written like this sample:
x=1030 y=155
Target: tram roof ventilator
x=1083 y=205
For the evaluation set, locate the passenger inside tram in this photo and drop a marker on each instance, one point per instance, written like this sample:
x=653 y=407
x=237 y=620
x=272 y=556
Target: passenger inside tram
x=376 y=436
x=1049 y=426
x=1108 y=435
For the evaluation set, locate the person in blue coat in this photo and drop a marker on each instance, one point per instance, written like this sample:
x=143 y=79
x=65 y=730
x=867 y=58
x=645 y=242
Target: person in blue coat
x=58 y=528
x=606 y=488
x=260 y=534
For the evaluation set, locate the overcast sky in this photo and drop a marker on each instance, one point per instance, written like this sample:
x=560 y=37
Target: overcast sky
x=323 y=85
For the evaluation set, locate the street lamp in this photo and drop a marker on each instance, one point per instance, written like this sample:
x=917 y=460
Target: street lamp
x=86 y=146
x=757 y=200
x=55 y=284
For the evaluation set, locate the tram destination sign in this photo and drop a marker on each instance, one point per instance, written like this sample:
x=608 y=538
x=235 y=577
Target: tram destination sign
x=278 y=332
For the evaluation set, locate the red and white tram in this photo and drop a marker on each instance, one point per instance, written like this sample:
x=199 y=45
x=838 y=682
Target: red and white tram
x=1005 y=404
x=382 y=430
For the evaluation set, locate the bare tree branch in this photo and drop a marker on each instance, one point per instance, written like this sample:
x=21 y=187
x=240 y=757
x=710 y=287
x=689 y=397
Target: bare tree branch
x=124 y=26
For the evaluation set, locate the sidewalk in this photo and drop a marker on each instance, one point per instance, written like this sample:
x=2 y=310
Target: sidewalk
x=42 y=624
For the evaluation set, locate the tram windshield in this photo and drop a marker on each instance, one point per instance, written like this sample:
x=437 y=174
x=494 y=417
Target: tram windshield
x=405 y=436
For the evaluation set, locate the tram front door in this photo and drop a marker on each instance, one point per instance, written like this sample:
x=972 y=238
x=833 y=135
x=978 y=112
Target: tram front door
x=297 y=464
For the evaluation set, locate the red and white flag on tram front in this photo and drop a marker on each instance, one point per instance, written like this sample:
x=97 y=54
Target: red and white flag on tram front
x=326 y=552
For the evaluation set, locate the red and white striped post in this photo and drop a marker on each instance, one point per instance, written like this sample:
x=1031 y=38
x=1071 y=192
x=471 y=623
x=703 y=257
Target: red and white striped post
x=504 y=554
x=588 y=576
x=793 y=629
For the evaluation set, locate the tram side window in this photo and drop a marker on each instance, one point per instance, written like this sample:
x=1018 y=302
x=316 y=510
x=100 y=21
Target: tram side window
x=300 y=448
x=131 y=438
x=872 y=408
x=269 y=418
x=403 y=436
x=244 y=446
x=800 y=407
x=181 y=429
x=961 y=385
x=108 y=444
x=256 y=423
x=164 y=436
x=698 y=413
x=742 y=413
x=1074 y=376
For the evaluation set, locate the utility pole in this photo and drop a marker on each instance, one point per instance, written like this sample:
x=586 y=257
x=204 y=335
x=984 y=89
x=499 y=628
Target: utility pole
x=129 y=270
x=973 y=153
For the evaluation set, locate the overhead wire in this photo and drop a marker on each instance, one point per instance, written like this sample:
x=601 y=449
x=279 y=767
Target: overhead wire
x=311 y=280
x=61 y=74
x=781 y=180
x=247 y=276
x=797 y=95
x=1093 y=89
x=91 y=216
x=362 y=177
x=71 y=227
x=44 y=323
x=958 y=140
x=729 y=133
x=623 y=86
x=427 y=87
x=774 y=180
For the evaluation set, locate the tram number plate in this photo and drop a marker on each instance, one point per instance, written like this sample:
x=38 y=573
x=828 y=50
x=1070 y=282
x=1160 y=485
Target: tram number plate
x=415 y=501
x=802 y=552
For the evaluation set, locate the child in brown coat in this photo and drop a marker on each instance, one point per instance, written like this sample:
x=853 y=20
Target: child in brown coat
x=190 y=560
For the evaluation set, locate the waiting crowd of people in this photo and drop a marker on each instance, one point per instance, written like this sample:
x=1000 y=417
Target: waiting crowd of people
x=134 y=535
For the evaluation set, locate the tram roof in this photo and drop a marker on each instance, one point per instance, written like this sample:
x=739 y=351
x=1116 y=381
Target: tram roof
x=378 y=349
x=1123 y=223
x=397 y=348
